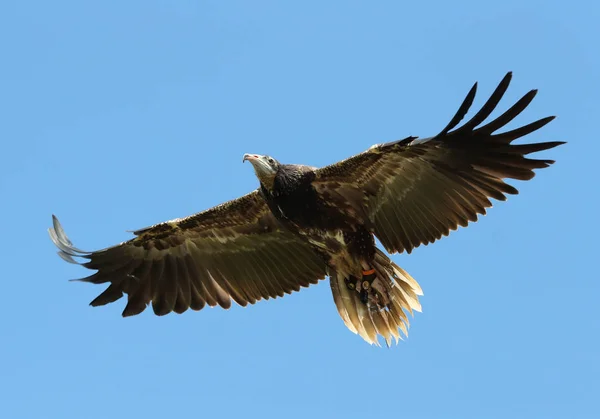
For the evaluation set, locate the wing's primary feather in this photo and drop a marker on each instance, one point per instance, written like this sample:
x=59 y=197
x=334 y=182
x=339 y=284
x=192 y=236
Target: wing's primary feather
x=417 y=190
x=236 y=250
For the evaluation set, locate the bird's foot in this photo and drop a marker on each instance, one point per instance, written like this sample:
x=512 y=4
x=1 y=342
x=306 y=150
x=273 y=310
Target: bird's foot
x=351 y=283
x=366 y=284
x=364 y=287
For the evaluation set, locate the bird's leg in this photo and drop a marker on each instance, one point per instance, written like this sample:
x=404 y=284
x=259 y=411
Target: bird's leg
x=367 y=286
x=368 y=277
x=351 y=282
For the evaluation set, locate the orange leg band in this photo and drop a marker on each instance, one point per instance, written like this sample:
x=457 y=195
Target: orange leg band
x=369 y=272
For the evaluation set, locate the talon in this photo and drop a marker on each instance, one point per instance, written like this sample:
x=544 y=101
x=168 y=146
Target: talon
x=366 y=285
x=350 y=283
x=364 y=296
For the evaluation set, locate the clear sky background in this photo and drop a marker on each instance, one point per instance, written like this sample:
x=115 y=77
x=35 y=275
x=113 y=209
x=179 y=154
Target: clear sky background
x=118 y=115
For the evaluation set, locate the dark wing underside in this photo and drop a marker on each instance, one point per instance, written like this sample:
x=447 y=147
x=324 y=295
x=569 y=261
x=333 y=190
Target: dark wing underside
x=236 y=250
x=415 y=191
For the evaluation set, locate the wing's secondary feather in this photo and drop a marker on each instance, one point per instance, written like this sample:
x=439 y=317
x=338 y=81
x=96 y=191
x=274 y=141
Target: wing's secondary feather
x=236 y=250
x=417 y=190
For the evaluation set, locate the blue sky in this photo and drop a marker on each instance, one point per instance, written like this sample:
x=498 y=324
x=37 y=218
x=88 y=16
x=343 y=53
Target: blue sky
x=116 y=116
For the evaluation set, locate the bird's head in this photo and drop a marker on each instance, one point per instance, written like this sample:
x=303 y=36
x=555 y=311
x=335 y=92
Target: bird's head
x=266 y=168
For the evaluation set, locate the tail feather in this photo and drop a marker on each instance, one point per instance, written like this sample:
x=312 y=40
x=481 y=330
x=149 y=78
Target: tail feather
x=367 y=322
x=401 y=296
x=345 y=303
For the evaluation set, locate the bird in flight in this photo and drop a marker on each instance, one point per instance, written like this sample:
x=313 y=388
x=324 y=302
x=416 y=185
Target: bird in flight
x=303 y=224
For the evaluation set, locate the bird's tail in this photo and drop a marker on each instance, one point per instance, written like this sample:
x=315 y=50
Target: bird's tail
x=392 y=295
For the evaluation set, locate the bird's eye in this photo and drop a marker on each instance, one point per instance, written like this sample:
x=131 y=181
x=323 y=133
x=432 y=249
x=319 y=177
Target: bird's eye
x=271 y=160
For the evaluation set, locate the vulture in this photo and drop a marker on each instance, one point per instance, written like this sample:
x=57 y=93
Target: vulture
x=303 y=224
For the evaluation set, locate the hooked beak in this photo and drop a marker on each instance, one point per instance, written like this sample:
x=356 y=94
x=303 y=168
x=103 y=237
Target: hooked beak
x=250 y=157
x=264 y=170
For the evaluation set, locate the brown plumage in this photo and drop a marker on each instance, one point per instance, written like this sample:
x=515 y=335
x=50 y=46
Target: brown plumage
x=236 y=250
x=304 y=223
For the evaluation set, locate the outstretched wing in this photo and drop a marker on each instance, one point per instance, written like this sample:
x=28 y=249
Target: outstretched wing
x=414 y=191
x=236 y=250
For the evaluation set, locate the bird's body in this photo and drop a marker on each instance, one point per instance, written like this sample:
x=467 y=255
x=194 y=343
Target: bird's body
x=304 y=223
x=294 y=201
x=339 y=235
